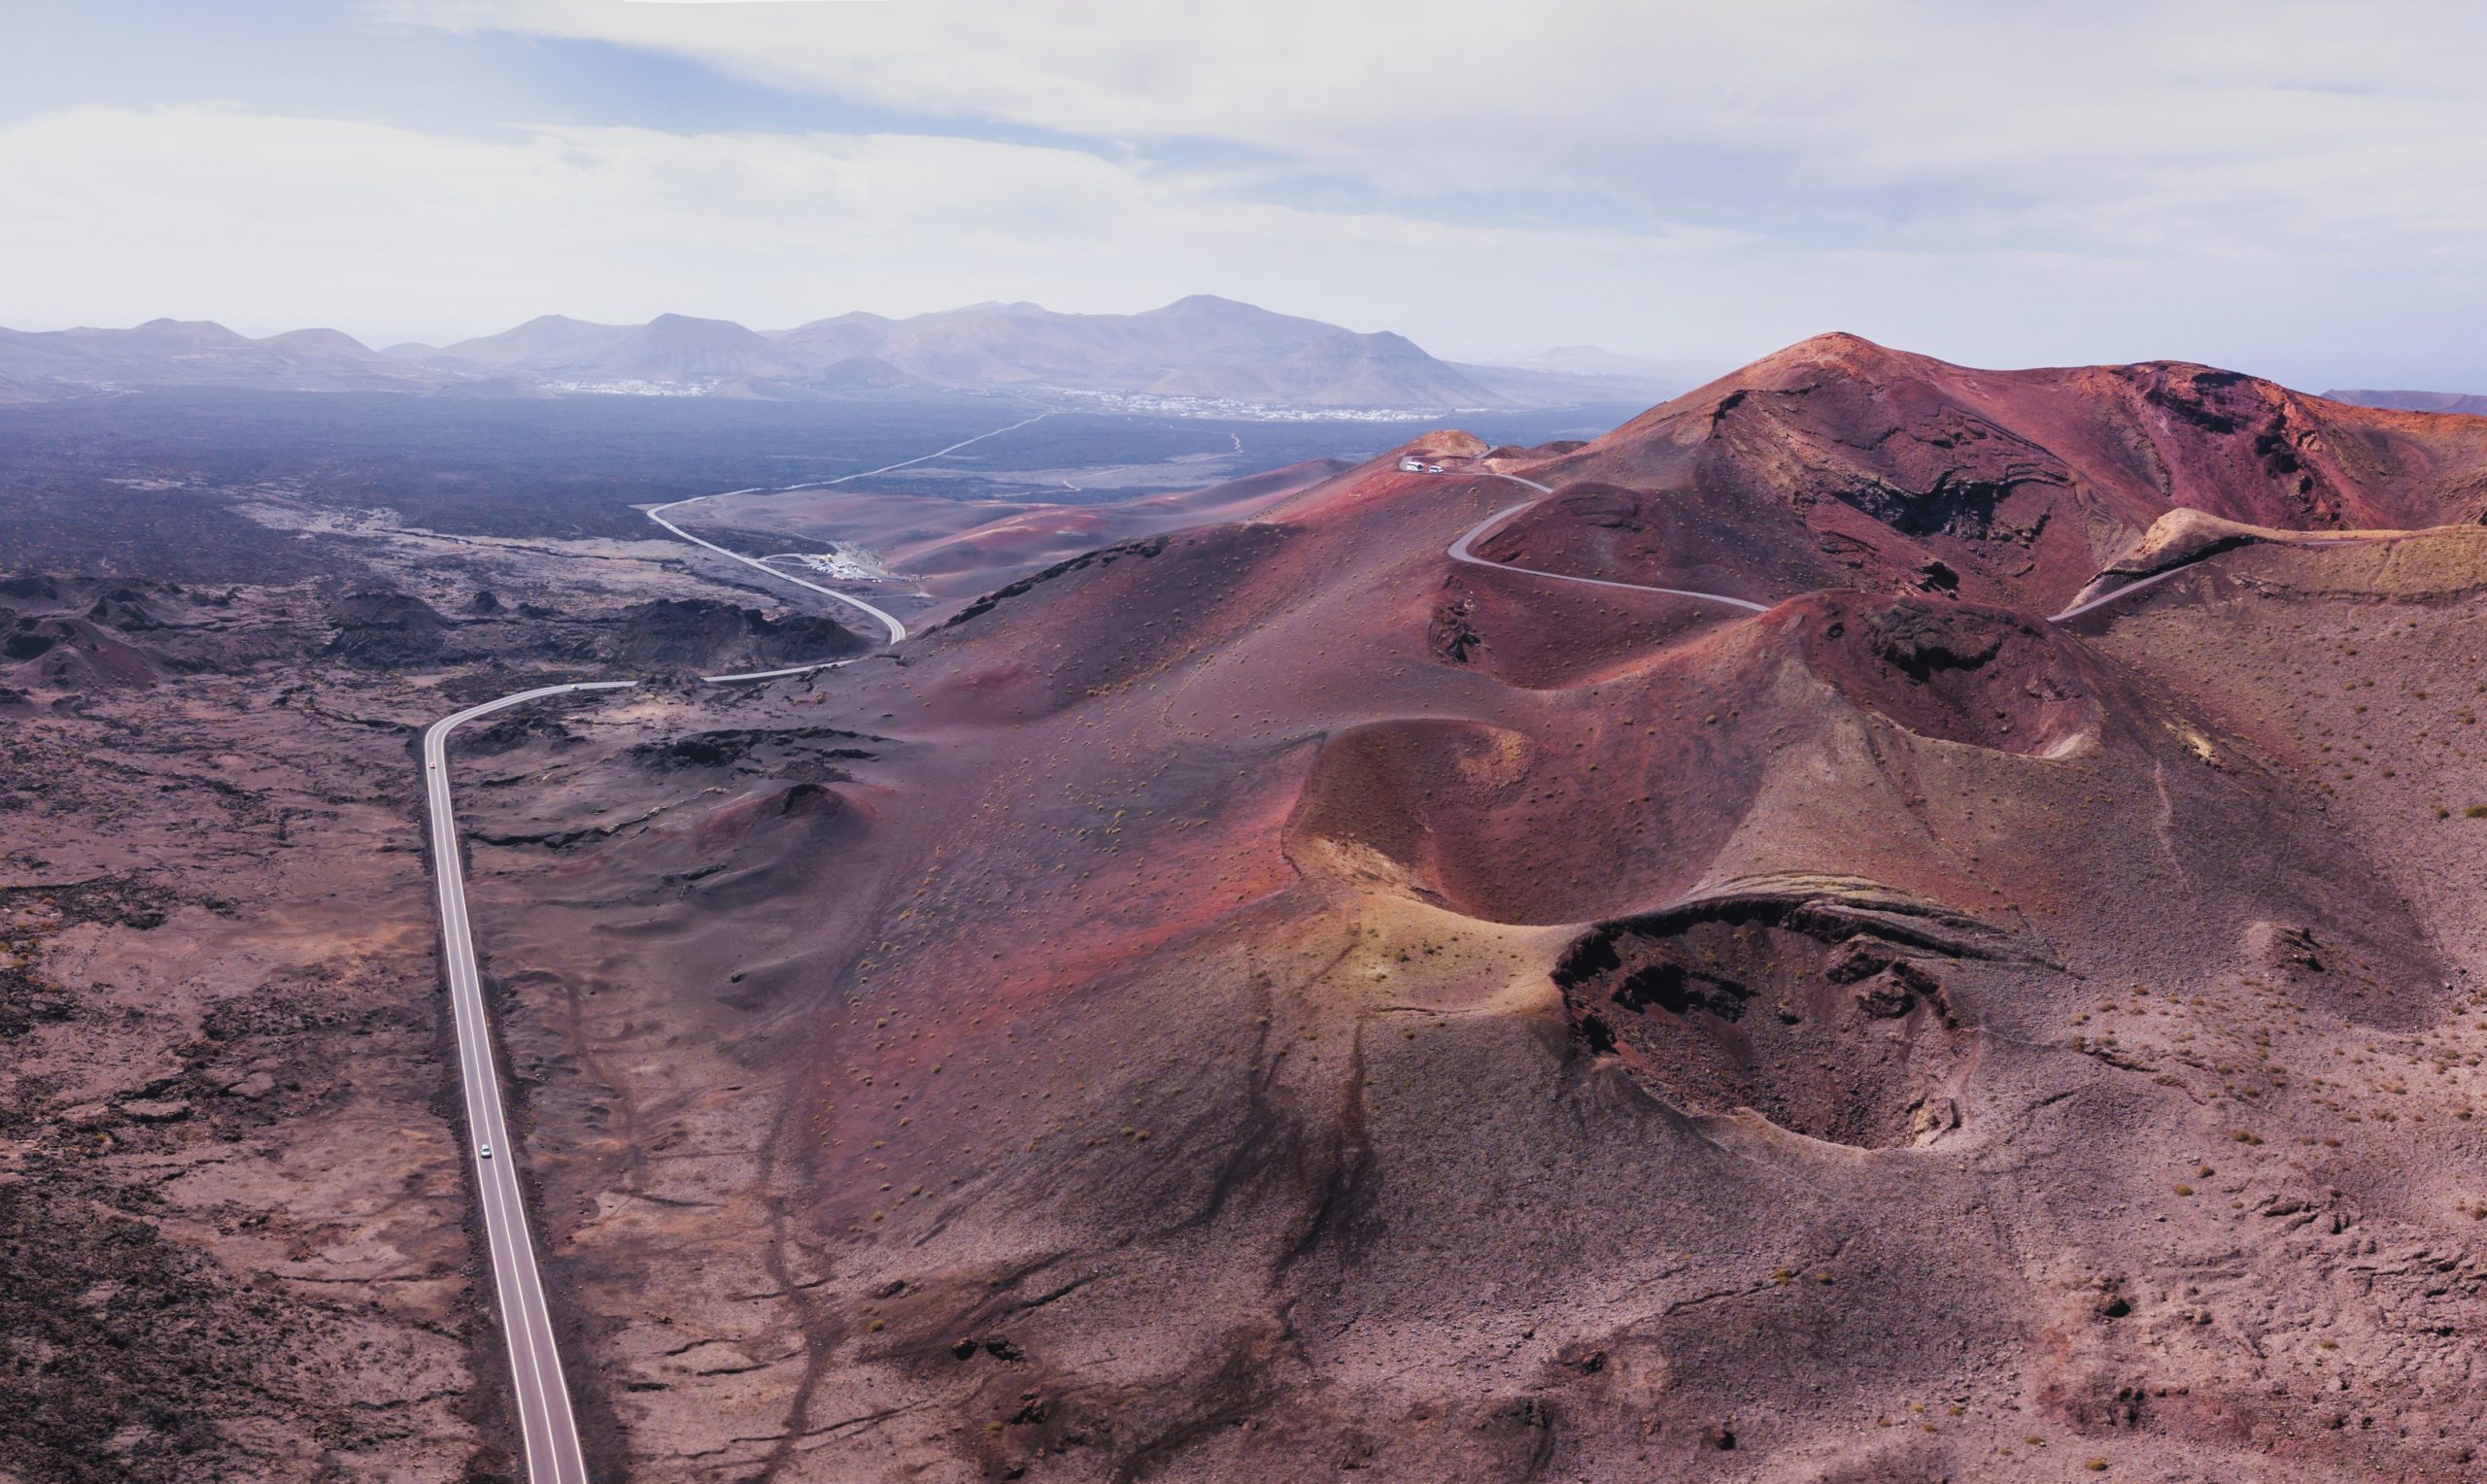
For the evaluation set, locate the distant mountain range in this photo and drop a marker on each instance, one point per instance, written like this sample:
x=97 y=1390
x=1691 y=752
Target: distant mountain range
x=1200 y=347
x=2416 y=401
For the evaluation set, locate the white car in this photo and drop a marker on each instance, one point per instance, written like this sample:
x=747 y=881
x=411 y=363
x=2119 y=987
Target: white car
x=488 y=1151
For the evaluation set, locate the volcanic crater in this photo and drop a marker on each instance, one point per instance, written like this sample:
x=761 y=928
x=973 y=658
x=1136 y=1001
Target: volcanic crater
x=1263 y=998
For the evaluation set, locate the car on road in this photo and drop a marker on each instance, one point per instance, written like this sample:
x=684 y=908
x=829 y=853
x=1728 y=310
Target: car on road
x=488 y=1151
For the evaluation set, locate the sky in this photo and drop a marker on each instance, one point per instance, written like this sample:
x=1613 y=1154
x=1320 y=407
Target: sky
x=2297 y=191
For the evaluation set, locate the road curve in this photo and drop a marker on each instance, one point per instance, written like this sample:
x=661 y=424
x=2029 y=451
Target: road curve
x=549 y=1430
x=547 y=1427
x=888 y=622
x=890 y=625
x=1459 y=552
x=543 y=1397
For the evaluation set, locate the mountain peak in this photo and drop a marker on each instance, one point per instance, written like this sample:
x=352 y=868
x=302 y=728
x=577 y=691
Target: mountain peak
x=200 y=330
x=1207 y=303
x=1996 y=484
x=1201 y=309
x=1202 y=346
x=2466 y=404
x=1840 y=345
x=320 y=339
x=1015 y=307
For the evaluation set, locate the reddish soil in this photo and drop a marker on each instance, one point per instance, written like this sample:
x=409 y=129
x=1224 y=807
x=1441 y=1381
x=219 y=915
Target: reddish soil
x=1259 y=1000
x=1855 y=465
x=1302 y=1005
x=955 y=549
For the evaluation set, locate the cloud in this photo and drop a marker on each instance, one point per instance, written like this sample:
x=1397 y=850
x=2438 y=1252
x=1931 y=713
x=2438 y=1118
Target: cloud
x=2257 y=185
x=273 y=222
x=2109 y=126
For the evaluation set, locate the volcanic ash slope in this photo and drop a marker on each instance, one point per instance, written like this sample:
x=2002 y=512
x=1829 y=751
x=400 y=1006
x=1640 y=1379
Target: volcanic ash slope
x=1286 y=1001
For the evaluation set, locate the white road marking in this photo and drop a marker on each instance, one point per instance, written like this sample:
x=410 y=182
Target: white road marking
x=549 y=1429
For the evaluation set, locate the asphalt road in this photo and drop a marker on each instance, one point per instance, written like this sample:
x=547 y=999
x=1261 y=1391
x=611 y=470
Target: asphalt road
x=1459 y=552
x=888 y=622
x=909 y=464
x=543 y=1397
x=547 y=1427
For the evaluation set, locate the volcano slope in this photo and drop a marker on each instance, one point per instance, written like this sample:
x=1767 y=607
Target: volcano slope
x=1838 y=463
x=953 y=550
x=1265 y=1000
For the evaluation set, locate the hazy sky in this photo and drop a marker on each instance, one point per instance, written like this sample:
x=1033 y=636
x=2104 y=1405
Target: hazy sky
x=2293 y=190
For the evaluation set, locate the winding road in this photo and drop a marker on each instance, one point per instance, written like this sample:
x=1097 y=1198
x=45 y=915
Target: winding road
x=548 y=1427
x=889 y=623
x=1459 y=552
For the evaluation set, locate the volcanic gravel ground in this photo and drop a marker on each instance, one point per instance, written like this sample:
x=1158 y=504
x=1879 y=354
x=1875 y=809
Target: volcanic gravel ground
x=235 y=1236
x=1217 y=1032
x=1261 y=1001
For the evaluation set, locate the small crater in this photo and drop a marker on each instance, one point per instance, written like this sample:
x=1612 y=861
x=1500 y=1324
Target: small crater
x=1862 y=1044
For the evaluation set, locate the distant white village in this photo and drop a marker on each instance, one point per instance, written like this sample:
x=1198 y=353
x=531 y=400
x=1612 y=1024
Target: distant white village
x=1228 y=410
x=1220 y=409
x=635 y=388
